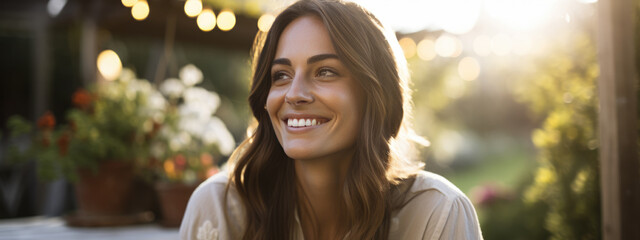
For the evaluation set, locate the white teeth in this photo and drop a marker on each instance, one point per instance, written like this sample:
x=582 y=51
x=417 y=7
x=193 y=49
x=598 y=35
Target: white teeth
x=302 y=122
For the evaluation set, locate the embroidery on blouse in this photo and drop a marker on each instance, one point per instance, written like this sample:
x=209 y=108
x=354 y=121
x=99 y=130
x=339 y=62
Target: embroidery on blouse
x=206 y=231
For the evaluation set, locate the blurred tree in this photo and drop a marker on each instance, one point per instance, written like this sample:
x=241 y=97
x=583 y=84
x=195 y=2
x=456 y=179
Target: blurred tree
x=563 y=90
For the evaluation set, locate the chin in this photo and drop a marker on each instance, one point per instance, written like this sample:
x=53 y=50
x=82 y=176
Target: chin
x=298 y=154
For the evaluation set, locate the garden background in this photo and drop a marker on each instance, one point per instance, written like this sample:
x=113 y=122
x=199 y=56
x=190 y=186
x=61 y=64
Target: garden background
x=504 y=91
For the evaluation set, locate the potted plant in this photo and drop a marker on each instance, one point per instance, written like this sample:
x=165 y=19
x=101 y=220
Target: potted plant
x=189 y=143
x=102 y=145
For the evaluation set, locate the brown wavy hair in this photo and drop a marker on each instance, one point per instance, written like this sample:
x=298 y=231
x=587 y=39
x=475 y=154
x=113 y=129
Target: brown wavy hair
x=264 y=175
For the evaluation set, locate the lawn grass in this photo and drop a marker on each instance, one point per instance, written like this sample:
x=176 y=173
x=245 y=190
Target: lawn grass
x=502 y=169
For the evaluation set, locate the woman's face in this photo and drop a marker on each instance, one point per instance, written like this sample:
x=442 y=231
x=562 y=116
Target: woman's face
x=314 y=103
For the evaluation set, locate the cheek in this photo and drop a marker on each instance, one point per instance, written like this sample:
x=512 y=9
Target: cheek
x=274 y=101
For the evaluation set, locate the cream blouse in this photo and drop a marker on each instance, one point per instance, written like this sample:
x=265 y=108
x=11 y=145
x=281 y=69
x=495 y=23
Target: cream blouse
x=439 y=211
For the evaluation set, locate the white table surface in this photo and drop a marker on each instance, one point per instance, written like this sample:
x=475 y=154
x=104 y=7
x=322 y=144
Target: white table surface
x=55 y=228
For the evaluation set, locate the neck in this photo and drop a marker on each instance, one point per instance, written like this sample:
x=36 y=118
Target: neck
x=320 y=195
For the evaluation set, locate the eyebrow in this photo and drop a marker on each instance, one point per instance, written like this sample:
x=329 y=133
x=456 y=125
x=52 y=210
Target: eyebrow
x=311 y=60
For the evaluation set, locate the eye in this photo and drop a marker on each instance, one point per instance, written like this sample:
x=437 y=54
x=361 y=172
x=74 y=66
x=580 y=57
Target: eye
x=326 y=72
x=280 y=75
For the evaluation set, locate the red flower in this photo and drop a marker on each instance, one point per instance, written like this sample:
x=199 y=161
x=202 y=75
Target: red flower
x=181 y=162
x=82 y=99
x=47 y=121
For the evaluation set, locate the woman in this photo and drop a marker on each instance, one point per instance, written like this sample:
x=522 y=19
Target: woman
x=328 y=158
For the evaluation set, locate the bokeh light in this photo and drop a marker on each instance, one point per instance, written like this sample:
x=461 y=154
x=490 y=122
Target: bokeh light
x=458 y=47
x=109 y=65
x=206 y=20
x=54 y=7
x=140 y=10
x=501 y=44
x=265 y=21
x=408 y=47
x=426 y=49
x=521 y=14
x=192 y=7
x=522 y=45
x=458 y=20
x=469 y=68
x=129 y=3
x=226 y=20
x=446 y=45
x=482 y=45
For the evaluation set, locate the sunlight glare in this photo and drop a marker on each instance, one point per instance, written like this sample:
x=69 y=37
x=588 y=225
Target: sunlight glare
x=408 y=47
x=521 y=14
x=501 y=44
x=522 y=45
x=469 y=68
x=446 y=45
x=426 y=49
x=458 y=16
x=482 y=45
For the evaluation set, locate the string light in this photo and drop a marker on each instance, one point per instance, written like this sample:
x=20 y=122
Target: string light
x=193 y=7
x=140 y=10
x=129 y=3
x=109 y=64
x=226 y=20
x=206 y=20
x=265 y=21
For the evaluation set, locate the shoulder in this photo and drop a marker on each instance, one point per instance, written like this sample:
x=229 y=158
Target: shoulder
x=213 y=212
x=428 y=181
x=435 y=209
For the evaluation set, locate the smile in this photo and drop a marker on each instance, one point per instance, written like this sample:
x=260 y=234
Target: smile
x=304 y=122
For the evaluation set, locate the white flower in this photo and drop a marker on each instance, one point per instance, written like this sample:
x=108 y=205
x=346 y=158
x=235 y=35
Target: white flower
x=172 y=87
x=200 y=111
x=135 y=87
x=202 y=97
x=157 y=150
x=157 y=101
x=216 y=132
x=206 y=231
x=191 y=125
x=179 y=141
x=190 y=75
x=127 y=75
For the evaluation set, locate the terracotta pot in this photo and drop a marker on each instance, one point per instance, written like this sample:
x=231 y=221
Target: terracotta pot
x=105 y=192
x=173 y=201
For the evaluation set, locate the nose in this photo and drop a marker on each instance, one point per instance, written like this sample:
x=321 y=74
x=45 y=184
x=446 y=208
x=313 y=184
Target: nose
x=298 y=92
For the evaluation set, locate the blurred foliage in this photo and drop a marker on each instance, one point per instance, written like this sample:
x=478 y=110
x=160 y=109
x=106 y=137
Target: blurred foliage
x=111 y=121
x=562 y=89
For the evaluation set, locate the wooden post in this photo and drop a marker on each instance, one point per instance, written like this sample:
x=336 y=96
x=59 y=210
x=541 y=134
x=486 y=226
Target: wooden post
x=617 y=88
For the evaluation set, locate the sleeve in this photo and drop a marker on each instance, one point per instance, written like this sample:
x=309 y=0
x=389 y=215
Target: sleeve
x=197 y=223
x=458 y=221
x=213 y=213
